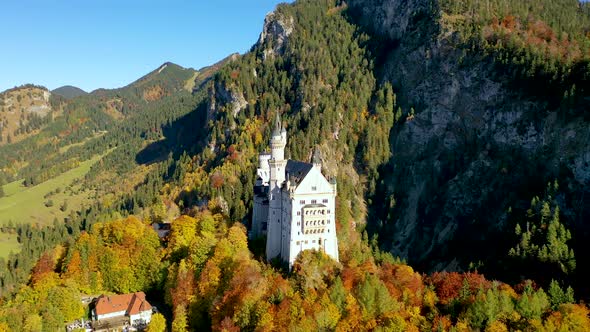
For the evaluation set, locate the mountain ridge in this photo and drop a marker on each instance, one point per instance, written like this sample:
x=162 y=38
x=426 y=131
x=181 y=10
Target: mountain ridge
x=439 y=157
x=69 y=91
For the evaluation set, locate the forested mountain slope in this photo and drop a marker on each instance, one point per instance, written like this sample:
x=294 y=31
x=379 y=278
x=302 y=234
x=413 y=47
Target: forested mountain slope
x=69 y=92
x=86 y=160
x=427 y=114
x=23 y=111
x=500 y=98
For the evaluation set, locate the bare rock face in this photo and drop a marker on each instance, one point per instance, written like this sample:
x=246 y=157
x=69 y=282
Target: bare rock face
x=18 y=106
x=230 y=97
x=222 y=95
x=476 y=145
x=275 y=34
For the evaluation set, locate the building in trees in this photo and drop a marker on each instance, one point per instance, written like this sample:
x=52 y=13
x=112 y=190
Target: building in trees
x=294 y=204
x=119 y=307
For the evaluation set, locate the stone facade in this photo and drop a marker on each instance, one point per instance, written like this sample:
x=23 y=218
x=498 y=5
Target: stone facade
x=294 y=204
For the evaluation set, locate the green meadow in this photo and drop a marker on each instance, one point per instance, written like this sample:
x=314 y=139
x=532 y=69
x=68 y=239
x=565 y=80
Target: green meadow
x=43 y=203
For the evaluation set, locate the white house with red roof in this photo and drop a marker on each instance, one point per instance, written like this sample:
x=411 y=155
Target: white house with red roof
x=134 y=306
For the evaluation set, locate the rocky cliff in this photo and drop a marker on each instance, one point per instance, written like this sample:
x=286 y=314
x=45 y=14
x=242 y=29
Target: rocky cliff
x=476 y=146
x=23 y=110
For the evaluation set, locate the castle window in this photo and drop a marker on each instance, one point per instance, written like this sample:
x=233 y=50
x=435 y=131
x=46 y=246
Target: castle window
x=313 y=241
x=314 y=188
x=302 y=201
x=298 y=243
x=298 y=223
x=313 y=201
x=306 y=242
x=328 y=211
x=320 y=241
x=324 y=200
x=298 y=213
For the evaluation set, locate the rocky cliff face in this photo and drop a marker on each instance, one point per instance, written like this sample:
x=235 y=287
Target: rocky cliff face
x=22 y=111
x=273 y=41
x=275 y=33
x=476 y=146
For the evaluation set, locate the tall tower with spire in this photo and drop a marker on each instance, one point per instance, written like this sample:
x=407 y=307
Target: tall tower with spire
x=277 y=164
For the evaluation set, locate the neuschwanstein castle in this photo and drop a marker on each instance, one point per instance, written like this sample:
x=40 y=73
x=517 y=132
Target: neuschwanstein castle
x=294 y=204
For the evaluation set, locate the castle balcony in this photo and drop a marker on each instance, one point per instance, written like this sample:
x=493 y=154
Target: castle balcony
x=315 y=219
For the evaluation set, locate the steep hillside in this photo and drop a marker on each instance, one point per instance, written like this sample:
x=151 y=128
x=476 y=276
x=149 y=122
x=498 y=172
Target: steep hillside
x=23 y=111
x=412 y=166
x=68 y=137
x=69 y=92
x=499 y=97
x=487 y=128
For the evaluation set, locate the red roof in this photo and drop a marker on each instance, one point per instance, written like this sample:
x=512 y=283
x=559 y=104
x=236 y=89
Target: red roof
x=130 y=303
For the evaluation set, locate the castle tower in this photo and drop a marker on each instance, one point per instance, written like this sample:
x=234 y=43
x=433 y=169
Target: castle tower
x=277 y=165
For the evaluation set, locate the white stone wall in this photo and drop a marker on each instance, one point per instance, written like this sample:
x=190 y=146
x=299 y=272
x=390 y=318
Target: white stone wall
x=141 y=317
x=286 y=208
x=313 y=190
x=300 y=241
x=111 y=315
x=274 y=228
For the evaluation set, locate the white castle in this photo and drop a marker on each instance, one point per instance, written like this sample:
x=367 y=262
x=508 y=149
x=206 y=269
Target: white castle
x=294 y=204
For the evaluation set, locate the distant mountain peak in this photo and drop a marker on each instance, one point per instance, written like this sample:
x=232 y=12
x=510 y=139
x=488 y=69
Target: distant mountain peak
x=69 y=91
x=162 y=67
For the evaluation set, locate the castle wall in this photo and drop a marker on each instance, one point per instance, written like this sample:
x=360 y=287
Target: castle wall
x=274 y=232
x=286 y=224
x=259 y=215
x=300 y=239
x=274 y=236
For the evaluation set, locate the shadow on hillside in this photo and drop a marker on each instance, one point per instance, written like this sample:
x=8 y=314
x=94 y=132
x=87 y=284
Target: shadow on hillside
x=186 y=133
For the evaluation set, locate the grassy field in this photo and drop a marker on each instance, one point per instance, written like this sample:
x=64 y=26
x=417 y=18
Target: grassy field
x=22 y=204
x=29 y=205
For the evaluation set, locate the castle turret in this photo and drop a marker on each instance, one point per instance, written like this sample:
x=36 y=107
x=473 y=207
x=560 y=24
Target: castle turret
x=277 y=165
x=264 y=168
x=278 y=140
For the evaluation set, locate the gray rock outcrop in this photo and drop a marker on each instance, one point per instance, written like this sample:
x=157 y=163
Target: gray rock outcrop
x=275 y=34
x=474 y=146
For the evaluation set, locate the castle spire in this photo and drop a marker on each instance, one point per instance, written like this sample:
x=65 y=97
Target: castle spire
x=277 y=130
x=278 y=141
x=316 y=159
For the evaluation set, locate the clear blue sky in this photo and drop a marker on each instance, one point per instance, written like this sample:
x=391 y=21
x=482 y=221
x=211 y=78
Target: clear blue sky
x=110 y=43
